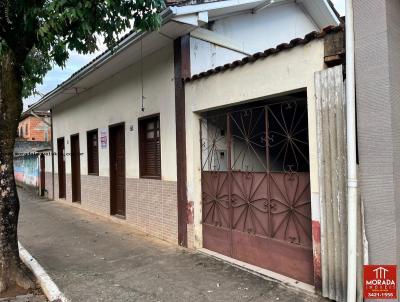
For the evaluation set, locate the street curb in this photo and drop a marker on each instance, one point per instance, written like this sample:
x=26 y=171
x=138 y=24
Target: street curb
x=48 y=286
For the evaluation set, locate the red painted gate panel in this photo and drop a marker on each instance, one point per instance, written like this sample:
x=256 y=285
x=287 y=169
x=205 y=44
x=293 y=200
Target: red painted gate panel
x=256 y=189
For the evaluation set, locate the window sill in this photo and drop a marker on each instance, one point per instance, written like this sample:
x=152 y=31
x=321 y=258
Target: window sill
x=151 y=177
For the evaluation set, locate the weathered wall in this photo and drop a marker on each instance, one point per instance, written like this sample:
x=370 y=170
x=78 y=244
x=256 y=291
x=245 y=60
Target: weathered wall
x=205 y=55
x=251 y=33
x=267 y=28
x=151 y=205
x=292 y=70
x=116 y=100
x=377 y=42
x=49 y=185
x=26 y=170
x=37 y=129
x=26 y=161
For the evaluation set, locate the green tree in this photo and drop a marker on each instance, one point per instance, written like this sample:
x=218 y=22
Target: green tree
x=34 y=34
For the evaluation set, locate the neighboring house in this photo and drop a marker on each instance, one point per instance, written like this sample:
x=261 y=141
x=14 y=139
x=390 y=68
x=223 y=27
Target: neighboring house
x=35 y=127
x=29 y=161
x=32 y=147
x=214 y=133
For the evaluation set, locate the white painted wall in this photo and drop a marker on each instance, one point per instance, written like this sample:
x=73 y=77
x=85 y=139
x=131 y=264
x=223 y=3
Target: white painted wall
x=252 y=33
x=278 y=74
x=267 y=28
x=47 y=161
x=205 y=55
x=116 y=100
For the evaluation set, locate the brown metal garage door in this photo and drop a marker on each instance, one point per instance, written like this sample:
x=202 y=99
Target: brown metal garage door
x=256 y=188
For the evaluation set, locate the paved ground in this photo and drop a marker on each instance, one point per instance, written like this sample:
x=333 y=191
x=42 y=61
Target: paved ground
x=25 y=298
x=93 y=259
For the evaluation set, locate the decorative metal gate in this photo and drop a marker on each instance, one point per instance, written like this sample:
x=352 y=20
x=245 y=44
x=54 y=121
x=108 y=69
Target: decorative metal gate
x=256 y=187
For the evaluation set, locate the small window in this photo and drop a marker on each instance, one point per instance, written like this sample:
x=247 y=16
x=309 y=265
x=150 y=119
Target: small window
x=46 y=136
x=26 y=129
x=93 y=152
x=150 y=148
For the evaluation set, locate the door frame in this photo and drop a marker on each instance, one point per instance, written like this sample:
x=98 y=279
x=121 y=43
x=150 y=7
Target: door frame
x=110 y=152
x=42 y=162
x=62 y=186
x=75 y=174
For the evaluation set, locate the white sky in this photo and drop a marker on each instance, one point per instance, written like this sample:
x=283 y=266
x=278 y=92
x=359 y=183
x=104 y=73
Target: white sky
x=339 y=4
x=57 y=75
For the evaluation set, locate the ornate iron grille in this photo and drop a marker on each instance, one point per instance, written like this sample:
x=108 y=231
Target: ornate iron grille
x=255 y=168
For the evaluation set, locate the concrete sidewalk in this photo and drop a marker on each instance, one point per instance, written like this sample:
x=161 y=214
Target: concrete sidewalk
x=93 y=259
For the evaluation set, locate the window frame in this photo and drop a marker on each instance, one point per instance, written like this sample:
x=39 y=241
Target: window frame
x=89 y=151
x=141 y=128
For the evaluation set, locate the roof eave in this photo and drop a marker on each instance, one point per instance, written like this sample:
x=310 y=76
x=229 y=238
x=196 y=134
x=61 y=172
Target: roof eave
x=331 y=17
x=166 y=15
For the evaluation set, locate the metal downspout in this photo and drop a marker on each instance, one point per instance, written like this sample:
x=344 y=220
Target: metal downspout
x=52 y=154
x=351 y=157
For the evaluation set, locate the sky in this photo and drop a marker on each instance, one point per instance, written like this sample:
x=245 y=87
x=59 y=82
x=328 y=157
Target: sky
x=57 y=75
x=339 y=4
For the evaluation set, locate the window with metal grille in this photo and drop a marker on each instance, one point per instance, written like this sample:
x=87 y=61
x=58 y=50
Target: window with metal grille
x=93 y=152
x=150 y=148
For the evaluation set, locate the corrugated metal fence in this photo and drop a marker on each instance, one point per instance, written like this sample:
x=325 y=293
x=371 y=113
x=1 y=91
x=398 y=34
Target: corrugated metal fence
x=332 y=160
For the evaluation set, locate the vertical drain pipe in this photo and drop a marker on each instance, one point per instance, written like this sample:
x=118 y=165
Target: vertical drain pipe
x=52 y=155
x=351 y=157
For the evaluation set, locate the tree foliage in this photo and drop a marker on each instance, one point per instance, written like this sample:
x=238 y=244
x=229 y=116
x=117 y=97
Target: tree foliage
x=34 y=35
x=42 y=32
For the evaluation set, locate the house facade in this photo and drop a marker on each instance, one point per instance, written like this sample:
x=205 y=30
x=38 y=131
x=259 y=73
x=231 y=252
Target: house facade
x=211 y=133
x=34 y=139
x=29 y=164
x=35 y=127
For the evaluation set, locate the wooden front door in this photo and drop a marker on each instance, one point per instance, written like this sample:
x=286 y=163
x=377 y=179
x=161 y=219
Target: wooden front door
x=61 y=167
x=75 y=168
x=42 y=175
x=117 y=170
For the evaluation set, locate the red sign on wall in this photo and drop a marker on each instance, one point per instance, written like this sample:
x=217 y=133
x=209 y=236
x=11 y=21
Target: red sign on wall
x=380 y=282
